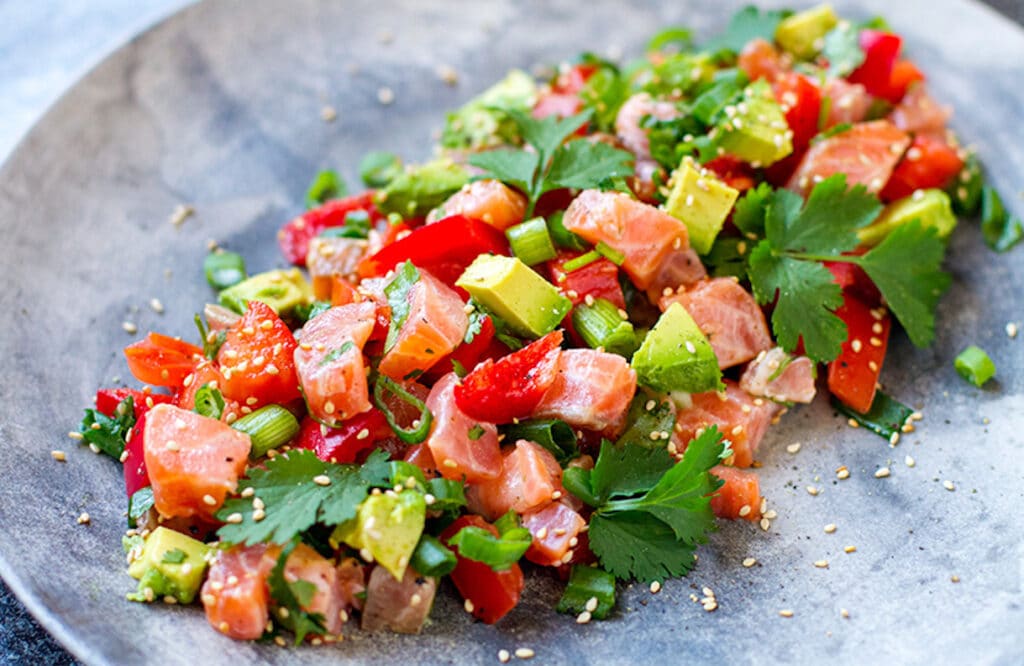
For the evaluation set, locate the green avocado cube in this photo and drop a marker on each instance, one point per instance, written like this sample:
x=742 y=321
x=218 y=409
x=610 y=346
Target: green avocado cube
x=932 y=207
x=282 y=290
x=701 y=201
x=389 y=526
x=675 y=356
x=528 y=303
x=755 y=130
x=803 y=33
x=169 y=564
x=420 y=189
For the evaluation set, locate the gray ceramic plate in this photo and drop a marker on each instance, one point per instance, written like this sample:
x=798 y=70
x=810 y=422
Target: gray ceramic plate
x=220 y=107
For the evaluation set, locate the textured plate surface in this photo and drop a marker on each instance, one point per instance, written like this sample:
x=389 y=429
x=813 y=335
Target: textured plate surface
x=220 y=106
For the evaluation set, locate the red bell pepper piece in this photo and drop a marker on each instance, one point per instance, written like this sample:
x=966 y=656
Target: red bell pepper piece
x=853 y=376
x=108 y=399
x=444 y=248
x=904 y=73
x=511 y=387
x=344 y=443
x=732 y=171
x=881 y=49
x=295 y=235
x=599 y=279
x=929 y=162
x=136 y=476
x=802 y=101
x=492 y=593
x=853 y=279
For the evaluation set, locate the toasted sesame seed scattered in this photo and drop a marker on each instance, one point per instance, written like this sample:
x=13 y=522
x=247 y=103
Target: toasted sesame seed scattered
x=504 y=656
x=129 y=327
x=84 y=519
x=882 y=473
x=76 y=435
x=771 y=515
x=909 y=461
x=793 y=448
x=821 y=564
x=765 y=524
x=208 y=500
x=328 y=113
x=842 y=473
x=745 y=510
x=954 y=578
x=583 y=618
x=591 y=604
x=812 y=491
x=749 y=562
x=690 y=347
x=181 y=213
x=1011 y=330
x=655 y=587
x=710 y=605
x=850 y=549
x=525 y=653
x=248 y=492
x=948 y=485
x=385 y=95
x=468 y=606
x=852 y=422
x=59 y=456
x=234 y=518
x=786 y=612
x=830 y=528
x=856 y=345
x=322 y=480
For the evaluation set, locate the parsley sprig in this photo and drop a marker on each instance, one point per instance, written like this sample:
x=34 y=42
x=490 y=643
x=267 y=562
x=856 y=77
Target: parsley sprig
x=553 y=163
x=293 y=502
x=650 y=513
x=798 y=236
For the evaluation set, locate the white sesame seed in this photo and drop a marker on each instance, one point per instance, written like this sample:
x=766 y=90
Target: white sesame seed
x=844 y=613
x=59 y=456
x=385 y=95
x=793 y=448
x=524 y=653
x=786 y=612
x=812 y=491
x=830 y=528
x=591 y=604
x=75 y=435
x=468 y=605
x=583 y=618
x=850 y=549
x=821 y=564
x=248 y=492
x=1011 y=330
x=181 y=213
x=948 y=485
x=765 y=524
x=129 y=327
x=209 y=500
x=504 y=656
x=749 y=562
x=655 y=587
x=842 y=473
x=84 y=519
x=909 y=461
x=882 y=473
x=234 y=518
x=744 y=510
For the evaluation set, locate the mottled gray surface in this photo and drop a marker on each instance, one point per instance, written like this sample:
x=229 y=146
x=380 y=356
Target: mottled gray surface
x=220 y=108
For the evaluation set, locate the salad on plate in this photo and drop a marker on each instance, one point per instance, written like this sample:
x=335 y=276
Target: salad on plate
x=556 y=347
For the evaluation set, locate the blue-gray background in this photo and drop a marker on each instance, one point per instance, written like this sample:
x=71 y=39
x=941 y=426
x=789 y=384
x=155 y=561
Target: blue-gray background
x=45 y=46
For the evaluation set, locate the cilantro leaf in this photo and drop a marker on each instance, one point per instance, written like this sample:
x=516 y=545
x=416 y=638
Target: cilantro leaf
x=547 y=134
x=515 y=167
x=174 y=556
x=749 y=213
x=842 y=49
x=807 y=295
x=621 y=471
x=747 y=24
x=292 y=500
x=906 y=267
x=397 y=292
x=109 y=434
x=497 y=552
x=633 y=544
x=294 y=597
x=681 y=498
x=826 y=223
x=582 y=164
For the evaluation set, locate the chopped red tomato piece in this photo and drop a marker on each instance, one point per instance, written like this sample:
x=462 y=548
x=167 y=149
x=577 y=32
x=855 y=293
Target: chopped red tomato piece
x=599 y=279
x=511 y=387
x=881 y=49
x=107 y=400
x=136 y=476
x=256 y=359
x=161 y=360
x=444 y=248
x=492 y=593
x=853 y=376
x=929 y=162
x=294 y=236
x=801 y=100
x=904 y=74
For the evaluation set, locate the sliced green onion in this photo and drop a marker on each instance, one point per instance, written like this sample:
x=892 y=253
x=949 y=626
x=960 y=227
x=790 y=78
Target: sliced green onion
x=579 y=262
x=211 y=343
x=326 y=185
x=531 y=241
x=561 y=236
x=378 y=168
x=601 y=325
x=587 y=584
x=610 y=253
x=1000 y=229
x=499 y=553
x=974 y=365
x=554 y=435
x=209 y=402
x=433 y=558
x=268 y=427
x=421 y=427
x=224 y=269
x=885 y=418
